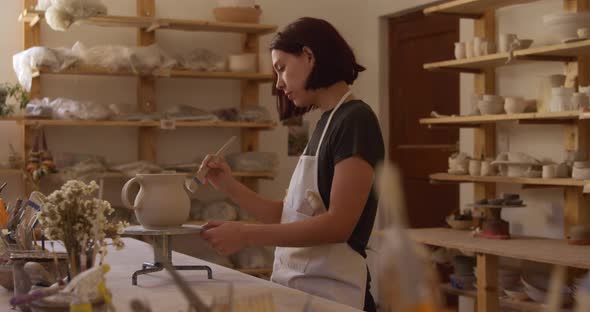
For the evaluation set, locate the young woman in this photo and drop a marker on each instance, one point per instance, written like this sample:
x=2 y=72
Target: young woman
x=322 y=227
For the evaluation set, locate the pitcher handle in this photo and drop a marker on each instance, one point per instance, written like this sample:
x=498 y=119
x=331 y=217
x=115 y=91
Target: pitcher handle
x=188 y=182
x=125 y=192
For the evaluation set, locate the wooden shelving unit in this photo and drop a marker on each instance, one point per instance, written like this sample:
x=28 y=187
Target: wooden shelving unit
x=152 y=124
x=146 y=26
x=525 y=118
x=551 y=251
x=566 y=182
x=118 y=175
x=576 y=139
x=505 y=302
x=471 y=8
x=562 y=52
x=32 y=17
x=174 y=73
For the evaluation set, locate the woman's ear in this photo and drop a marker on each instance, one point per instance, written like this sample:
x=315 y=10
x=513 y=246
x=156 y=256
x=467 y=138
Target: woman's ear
x=308 y=53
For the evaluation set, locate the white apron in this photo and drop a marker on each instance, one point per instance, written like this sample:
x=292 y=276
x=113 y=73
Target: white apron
x=332 y=271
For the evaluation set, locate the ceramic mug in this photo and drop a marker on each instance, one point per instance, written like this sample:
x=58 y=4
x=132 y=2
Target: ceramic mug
x=475 y=167
x=549 y=171
x=487 y=169
x=459 y=50
x=580 y=100
x=478 y=46
x=469 y=49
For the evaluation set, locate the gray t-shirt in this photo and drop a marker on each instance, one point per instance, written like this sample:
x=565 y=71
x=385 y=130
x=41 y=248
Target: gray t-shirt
x=353 y=131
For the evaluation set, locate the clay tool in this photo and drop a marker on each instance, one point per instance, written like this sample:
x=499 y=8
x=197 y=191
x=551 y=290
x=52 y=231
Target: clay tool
x=203 y=170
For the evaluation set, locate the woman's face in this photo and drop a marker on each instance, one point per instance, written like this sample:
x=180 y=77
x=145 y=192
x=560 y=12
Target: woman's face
x=292 y=72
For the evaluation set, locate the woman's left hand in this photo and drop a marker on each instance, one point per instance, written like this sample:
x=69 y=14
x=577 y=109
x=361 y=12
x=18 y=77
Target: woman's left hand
x=225 y=237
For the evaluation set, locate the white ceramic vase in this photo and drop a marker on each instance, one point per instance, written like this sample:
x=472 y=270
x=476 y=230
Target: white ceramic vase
x=163 y=199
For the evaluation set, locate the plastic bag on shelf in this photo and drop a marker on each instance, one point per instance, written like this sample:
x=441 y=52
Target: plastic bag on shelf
x=133 y=168
x=27 y=62
x=188 y=112
x=147 y=59
x=43 y=5
x=86 y=170
x=219 y=210
x=61 y=14
x=39 y=108
x=255 y=114
x=203 y=60
x=253 y=161
x=227 y=114
x=70 y=109
x=253 y=258
x=113 y=58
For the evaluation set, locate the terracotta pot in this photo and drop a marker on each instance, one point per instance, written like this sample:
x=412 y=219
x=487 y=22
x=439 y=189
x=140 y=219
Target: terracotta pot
x=163 y=199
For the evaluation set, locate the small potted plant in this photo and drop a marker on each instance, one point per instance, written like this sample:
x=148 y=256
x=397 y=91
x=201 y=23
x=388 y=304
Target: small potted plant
x=15 y=91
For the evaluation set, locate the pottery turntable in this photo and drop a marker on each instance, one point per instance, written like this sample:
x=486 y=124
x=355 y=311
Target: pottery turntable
x=160 y=240
x=493 y=227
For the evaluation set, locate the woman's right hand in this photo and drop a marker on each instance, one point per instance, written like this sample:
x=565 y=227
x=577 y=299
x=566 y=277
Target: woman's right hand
x=219 y=175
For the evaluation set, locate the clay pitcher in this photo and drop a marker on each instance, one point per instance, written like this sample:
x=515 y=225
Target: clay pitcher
x=163 y=199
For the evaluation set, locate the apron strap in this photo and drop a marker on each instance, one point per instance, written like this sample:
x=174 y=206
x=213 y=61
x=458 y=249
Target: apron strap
x=340 y=102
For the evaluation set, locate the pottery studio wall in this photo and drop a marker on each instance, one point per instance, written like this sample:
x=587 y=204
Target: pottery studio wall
x=118 y=145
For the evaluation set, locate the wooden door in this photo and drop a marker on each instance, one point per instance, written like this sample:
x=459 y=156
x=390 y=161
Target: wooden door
x=415 y=39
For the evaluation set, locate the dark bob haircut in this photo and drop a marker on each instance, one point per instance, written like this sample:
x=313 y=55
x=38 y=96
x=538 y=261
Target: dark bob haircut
x=334 y=59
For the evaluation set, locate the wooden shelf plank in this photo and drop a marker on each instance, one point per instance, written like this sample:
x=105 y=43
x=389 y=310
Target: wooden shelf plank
x=557 y=52
x=31 y=16
x=558 y=117
x=532 y=249
x=474 y=64
x=119 y=175
x=505 y=302
x=445 y=177
x=471 y=8
x=115 y=123
x=175 y=73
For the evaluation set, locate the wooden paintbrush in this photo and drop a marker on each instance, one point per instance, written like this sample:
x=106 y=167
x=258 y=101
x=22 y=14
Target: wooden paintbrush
x=203 y=170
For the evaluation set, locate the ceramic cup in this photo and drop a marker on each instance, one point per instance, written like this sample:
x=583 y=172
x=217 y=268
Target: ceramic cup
x=557 y=81
x=469 y=49
x=478 y=46
x=475 y=167
x=549 y=171
x=580 y=100
x=584 y=32
x=487 y=169
x=506 y=42
x=459 y=50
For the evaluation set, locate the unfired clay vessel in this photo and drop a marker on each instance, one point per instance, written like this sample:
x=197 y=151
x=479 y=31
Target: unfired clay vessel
x=162 y=202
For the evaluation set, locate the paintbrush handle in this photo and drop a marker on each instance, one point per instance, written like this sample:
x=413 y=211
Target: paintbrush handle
x=225 y=146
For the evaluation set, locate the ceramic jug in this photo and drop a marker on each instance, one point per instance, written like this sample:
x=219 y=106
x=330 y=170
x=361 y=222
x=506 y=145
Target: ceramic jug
x=163 y=199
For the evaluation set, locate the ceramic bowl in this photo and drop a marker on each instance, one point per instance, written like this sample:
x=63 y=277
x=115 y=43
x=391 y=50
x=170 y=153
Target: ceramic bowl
x=516 y=293
x=565 y=25
x=490 y=107
x=581 y=173
x=461 y=225
x=581 y=164
x=584 y=32
x=245 y=62
x=524 y=43
x=514 y=105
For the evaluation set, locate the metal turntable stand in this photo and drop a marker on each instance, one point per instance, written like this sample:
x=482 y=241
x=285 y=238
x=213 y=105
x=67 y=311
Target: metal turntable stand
x=162 y=250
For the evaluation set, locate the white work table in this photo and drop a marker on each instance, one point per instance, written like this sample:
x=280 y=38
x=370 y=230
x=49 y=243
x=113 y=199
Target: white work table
x=163 y=295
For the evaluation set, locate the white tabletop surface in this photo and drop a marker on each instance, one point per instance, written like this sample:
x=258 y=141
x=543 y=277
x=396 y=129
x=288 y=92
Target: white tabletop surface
x=163 y=295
